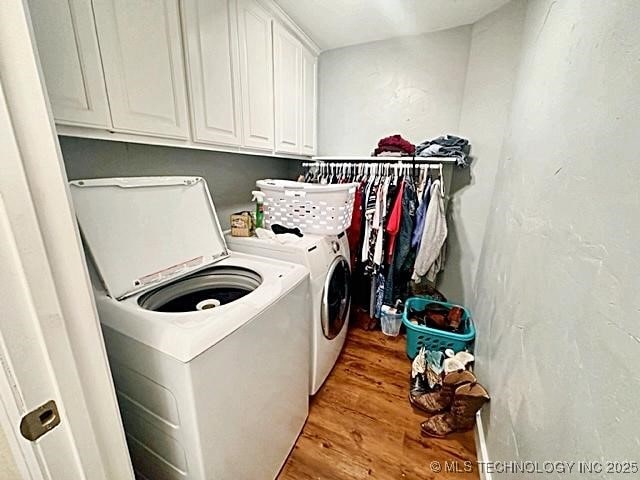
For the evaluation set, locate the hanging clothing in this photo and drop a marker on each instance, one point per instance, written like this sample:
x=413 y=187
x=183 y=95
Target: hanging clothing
x=372 y=295
x=378 y=222
x=393 y=224
x=388 y=218
x=380 y=288
x=422 y=183
x=420 y=216
x=355 y=229
x=430 y=256
x=399 y=273
x=369 y=208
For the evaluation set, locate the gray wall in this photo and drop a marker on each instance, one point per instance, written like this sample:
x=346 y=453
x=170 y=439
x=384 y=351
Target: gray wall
x=409 y=85
x=557 y=308
x=491 y=73
x=230 y=176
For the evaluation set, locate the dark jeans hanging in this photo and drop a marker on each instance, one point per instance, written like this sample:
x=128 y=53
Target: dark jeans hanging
x=399 y=274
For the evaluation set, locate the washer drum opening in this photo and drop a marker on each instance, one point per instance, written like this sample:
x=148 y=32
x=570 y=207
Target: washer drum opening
x=204 y=290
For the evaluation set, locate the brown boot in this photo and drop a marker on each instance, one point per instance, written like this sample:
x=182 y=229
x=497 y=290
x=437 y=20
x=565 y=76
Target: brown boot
x=436 y=402
x=467 y=400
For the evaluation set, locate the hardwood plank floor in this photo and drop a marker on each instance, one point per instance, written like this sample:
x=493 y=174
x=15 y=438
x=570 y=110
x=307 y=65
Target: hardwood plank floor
x=361 y=425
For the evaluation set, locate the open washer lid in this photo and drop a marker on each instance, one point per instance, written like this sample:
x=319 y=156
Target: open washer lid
x=145 y=231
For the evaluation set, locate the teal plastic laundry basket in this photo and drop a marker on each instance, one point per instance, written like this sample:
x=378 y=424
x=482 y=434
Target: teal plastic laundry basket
x=419 y=336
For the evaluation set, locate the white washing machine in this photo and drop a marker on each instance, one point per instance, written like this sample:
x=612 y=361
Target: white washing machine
x=208 y=356
x=327 y=258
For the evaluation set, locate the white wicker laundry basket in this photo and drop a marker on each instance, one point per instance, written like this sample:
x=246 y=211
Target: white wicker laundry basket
x=313 y=208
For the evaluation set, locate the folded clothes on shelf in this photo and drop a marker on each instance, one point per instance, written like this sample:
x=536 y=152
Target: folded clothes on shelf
x=394 y=143
x=446 y=146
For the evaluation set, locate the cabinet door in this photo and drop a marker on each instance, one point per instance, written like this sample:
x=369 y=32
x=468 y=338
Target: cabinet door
x=213 y=70
x=309 y=102
x=287 y=61
x=68 y=48
x=141 y=50
x=256 y=73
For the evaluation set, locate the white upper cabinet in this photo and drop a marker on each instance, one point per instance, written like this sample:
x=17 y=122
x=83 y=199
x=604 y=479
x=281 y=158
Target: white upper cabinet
x=227 y=73
x=295 y=90
x=68 y=49
x=256 y=73
x=287 y=76
x=309 y=103
x=141 y=48
x=213 y=66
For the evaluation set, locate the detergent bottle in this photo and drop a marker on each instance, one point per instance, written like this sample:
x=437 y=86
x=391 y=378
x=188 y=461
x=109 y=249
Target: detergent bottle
x=258 y=197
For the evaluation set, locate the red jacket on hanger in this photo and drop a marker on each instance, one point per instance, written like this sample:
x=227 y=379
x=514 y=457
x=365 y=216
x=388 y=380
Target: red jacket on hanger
x=353 y=232
x=393 y=223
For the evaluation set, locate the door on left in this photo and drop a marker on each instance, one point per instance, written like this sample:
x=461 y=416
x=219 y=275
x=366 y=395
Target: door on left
x=51 y=351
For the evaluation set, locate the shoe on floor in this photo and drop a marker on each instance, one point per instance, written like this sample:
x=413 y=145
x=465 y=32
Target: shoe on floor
x=468 y=399
x=436 y=402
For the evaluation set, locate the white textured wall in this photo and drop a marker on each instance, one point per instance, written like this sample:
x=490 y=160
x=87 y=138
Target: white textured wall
x=408 y=85
x=491 y=74
x=558 y=307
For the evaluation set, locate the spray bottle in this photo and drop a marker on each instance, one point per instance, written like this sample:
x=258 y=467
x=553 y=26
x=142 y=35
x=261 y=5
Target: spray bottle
x=258 y=197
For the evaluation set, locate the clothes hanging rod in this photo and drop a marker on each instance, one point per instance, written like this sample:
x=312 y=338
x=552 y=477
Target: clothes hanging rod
x=347 y=158
x=311 y=163
x=421 y=166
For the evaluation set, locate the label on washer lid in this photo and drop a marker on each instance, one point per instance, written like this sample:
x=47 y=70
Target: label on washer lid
x=169 y=272
x=174 y=272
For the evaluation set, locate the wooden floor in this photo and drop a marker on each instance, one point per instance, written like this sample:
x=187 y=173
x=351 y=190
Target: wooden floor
x=361 y=425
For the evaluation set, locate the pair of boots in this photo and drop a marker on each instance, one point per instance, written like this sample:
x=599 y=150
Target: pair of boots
x=460 y=398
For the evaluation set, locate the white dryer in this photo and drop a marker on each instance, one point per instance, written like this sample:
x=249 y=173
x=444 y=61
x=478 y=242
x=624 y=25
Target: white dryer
x=327 y=258
x=207 y=353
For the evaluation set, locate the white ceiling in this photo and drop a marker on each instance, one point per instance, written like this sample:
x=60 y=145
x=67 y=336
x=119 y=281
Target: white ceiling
x=339 y=23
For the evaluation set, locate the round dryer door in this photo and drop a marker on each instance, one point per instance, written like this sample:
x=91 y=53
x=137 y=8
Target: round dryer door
x=336 y=297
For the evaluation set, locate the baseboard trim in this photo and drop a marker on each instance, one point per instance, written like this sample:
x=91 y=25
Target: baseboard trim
x=481 y=448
